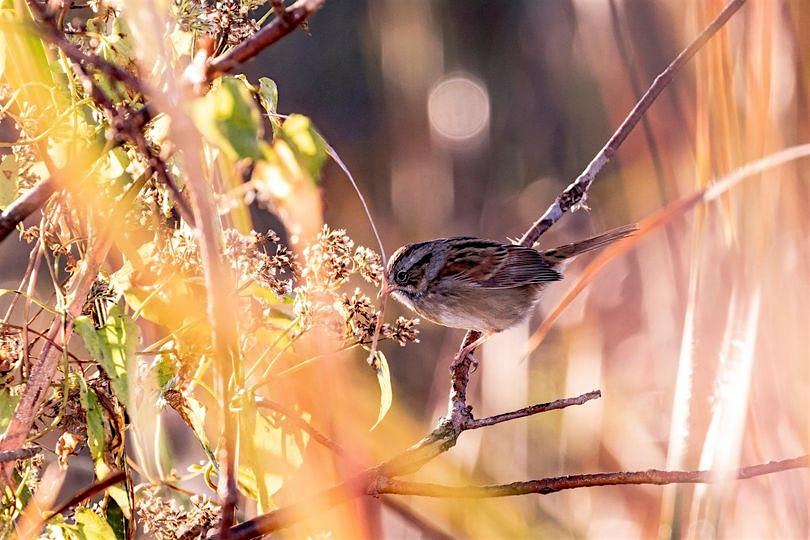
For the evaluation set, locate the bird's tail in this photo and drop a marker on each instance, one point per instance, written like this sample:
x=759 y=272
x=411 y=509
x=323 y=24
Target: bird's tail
x=568 y=251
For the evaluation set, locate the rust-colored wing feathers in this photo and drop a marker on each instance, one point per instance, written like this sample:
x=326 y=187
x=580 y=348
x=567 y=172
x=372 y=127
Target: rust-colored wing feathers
x=492 y=265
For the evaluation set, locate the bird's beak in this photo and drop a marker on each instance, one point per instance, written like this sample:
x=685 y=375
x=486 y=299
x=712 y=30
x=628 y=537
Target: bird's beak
x=386 y=289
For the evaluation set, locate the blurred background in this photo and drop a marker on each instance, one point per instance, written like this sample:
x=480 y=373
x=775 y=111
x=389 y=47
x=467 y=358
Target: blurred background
x=469 y=117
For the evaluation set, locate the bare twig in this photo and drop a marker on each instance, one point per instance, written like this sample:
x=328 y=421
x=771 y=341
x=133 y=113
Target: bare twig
x=296 y=14
x=533 y=409
x=16 y=455
x=575 y=194
x=91 y=490
x=28 y=203
x=560 y=483
x=661 y=218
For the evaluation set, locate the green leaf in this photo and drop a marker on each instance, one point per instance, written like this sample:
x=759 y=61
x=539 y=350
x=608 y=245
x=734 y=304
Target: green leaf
x=95 y=426
x=380 y=365
x=268 y=95
x=112 y=346
x=94 y=413
x=9 y=180
x=91 y=526
x=117 y=520
x=307 y=144
x=228 y=117
x=268 y=454
x=193 y=414
x=8 y=404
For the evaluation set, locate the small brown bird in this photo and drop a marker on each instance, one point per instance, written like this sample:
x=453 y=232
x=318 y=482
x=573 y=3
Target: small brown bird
x=476 y=284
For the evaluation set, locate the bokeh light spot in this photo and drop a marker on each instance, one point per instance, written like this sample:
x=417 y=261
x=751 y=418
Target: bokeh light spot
x=458 y=108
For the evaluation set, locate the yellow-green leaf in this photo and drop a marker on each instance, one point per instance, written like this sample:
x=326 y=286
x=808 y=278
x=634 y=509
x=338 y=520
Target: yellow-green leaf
x=193 y=414
x=269 y=454
x=8 y=404
x=380 y=366
x=95 y=426
x=3 y=47
x=91 y=526
x=9 y=180
x=228 y=117
x=307 y=144
x=94 y=414
x=268 y=97
x=112 y=346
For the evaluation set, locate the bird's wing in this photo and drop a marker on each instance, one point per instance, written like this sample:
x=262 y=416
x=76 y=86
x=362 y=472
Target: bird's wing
x=493 y=265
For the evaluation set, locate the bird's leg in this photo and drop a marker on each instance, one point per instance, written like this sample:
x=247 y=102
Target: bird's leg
x=468 y=349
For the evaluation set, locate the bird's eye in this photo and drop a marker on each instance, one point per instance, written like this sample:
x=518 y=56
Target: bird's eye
x=401 y=277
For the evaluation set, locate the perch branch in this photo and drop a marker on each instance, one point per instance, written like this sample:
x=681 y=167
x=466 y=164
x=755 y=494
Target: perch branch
x=429 y=530
x=411 y=460
x=575 y=194
x=560 y=483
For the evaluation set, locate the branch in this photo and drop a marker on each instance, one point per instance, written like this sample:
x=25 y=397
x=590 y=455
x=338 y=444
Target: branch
x=534 y=409
x=25 y=205
x=441 y=439
x=16 y=455
x=296 y=14
x=125 y=125
x=560 y=483
x=91 y=490
x=576 y=193
x=428 y=530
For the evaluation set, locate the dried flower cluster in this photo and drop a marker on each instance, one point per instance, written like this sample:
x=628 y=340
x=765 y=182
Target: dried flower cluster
x=11 y=350
x=250 y=259
x=227 y=20
x=361 y=321
x=164 y=519
x=328 y=265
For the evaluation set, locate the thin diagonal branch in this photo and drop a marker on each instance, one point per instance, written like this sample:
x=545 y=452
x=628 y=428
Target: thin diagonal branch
x=91 y=490
x=575 y=194
x=25 y=205
x=296 y=14
x=15 y=455
x=531 y=410
x=560 y=483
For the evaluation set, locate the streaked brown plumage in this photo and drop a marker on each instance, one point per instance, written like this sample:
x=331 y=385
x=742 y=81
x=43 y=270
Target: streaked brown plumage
x=478 y=284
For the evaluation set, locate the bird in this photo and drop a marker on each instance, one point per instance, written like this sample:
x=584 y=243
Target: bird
x=480 y=284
